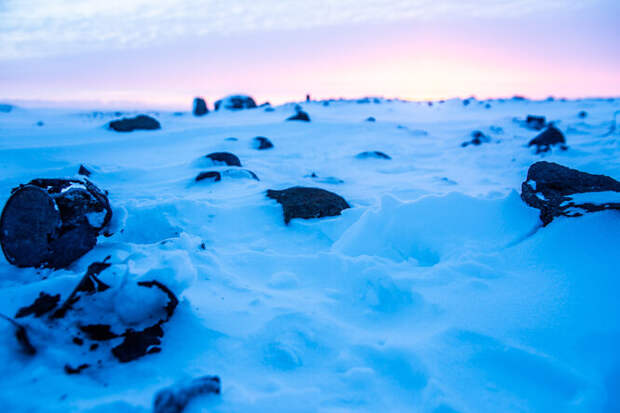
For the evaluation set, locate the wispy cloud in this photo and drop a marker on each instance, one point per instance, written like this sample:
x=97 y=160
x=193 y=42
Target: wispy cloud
x=35 y=28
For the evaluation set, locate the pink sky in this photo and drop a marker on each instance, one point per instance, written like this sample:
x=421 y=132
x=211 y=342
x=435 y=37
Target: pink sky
x=572 y=53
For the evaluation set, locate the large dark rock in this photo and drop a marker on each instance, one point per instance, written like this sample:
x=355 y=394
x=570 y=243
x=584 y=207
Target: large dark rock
x=372 y=154
x=224 y=158
x=52 y=222
x=140 y=122
x=550 y=136
x=200 y=107
x=303 y=202
x=549 y=187
x=175 y=398
x=235 y=102
x=261 y=143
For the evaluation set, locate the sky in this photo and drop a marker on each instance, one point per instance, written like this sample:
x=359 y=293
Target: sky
x=164 y=52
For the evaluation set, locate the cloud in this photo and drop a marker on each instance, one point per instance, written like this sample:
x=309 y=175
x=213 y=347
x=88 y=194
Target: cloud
x=36 y=28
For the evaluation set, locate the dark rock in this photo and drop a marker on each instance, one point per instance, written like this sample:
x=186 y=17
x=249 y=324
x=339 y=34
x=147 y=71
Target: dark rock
x=260 y=143
x=5 y=108
x=583 y=114
x=477 y=138
x=306 y=203
x=264 y=105
x=300 y=115
x=225 y=158
x=430 y=104
x=174 y=399
x=43 y=304
x=372 y=154
x=40 y=123
x=466 y=102
x=77 y=341
x=535 y=122
x=84 y=171
x=549 y=186
x=371 y=119
x=235 y=102
x=52 y=222
x=550 y=136
x=487 y=106
x=75 y=370
x=269 y=109
x=200 y=107
x=308 y=98
x=137 y=344
x=98 y=332
x=213 y=176
x=140 y=122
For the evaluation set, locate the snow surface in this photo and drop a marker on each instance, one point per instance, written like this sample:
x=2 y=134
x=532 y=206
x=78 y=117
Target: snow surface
x=595 y=198
x=436 y=292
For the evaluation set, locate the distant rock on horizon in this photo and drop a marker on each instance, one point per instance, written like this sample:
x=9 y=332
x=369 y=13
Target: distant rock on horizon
x=235 y=102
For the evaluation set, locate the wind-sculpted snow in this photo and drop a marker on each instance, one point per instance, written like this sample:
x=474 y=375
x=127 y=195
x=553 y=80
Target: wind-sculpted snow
x=438 y=290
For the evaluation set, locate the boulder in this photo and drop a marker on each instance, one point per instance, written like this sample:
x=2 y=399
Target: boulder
x=235 y=102
x=175 y=398
x=140 y=122
x=200 y=107
x=52 y=222
x=306 y=203
x=550 y=136
x=561 y=191
x=261 y=143
x=224 y=158
x=372 y=154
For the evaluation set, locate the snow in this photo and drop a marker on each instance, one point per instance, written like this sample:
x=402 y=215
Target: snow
x=437 y=291
x=595 y=198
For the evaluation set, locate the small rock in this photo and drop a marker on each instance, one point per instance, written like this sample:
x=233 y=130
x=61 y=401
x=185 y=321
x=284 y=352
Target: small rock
x=372 y=154
x=40 y=123
x=235 y=102
x=550 y=136
x=306 y=203
x=300 y=115
x=175 y=398
x=260 y=143
x=5 y=108
x=583 y=114
x=84 y=171
x=371 y=119
x=212 y=176
x=42 y=305
x=535 y=122
x=140 y=122
x=225 y=158
x=75 y=370
x=549 y=187
x=477 y=138
x=269 y=109
x=200 y=107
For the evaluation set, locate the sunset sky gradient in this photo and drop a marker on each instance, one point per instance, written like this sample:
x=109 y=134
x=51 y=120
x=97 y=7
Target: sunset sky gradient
x=162 y=53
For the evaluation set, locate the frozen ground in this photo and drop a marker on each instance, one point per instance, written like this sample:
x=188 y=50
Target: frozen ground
x=436 y=292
